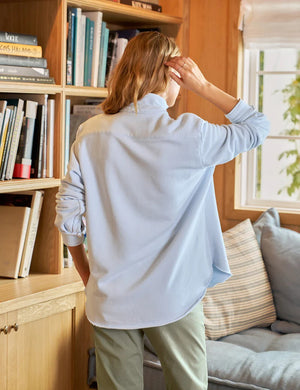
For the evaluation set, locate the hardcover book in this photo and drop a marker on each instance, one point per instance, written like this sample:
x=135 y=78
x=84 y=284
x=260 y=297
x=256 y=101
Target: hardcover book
x=13 y=228
x=18 y=38
x=20 y=50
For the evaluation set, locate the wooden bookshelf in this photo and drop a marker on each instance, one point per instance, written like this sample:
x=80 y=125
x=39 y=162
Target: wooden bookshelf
x=52 y=294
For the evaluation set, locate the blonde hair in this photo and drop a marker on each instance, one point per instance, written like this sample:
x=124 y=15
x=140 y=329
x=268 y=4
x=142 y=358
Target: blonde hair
x=141 y=70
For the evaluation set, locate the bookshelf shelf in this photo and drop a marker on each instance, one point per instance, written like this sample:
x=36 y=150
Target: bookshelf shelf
x=16 y=185
x=123 y=14
x=85 y=91
x=6 y=87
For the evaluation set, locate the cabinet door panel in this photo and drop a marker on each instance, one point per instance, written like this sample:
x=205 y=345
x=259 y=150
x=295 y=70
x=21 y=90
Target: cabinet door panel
x=41 y=350
x=3 y=353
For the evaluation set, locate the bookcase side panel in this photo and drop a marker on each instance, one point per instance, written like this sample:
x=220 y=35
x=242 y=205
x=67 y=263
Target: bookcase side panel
x=41 y=18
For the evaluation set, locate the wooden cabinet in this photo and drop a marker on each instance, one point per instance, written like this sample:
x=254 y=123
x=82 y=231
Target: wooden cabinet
x=42 y=351
x=45 y=337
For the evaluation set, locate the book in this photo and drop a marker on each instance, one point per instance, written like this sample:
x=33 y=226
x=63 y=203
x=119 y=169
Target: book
x=18 y=38
x=33 y=222
x=103 y=55
x=23 y=160
x=27 y=79
x=13 y=228
x=128 y=33
x=23 y=71
x=34 y=62
x=121 y=45
x=50 y=137
x=111 y=53
x=7 y=144
x=67 y=135
x=19 y=103
x=96 y=17
x=76 y=13
x=4 y=133
x=32 y=200
x=88 y=54
x=38 y=143
x=70 y=45
x=20 y=50
x=141 y=4
x=88 y=109
x=80 y=52
x=3 y=104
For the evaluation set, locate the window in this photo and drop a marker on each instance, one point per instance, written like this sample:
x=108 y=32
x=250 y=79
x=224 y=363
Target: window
x=270 y=175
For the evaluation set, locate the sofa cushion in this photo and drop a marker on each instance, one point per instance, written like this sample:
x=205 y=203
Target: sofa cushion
x=281 y=252
x=255 y=359
x=268 y=218
x=285 y=327
x=245 y=300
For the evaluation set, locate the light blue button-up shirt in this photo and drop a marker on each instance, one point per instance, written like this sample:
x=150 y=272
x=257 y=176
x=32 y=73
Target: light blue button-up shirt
x=145 y=183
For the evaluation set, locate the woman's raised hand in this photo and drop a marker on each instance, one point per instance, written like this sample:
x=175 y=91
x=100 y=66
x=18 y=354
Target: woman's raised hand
x=188 y=74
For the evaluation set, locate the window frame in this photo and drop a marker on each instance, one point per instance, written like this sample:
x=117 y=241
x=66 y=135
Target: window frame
x=247 y=167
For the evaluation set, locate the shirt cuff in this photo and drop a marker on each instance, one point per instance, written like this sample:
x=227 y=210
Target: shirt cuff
x=72 y=239
x=240 y=112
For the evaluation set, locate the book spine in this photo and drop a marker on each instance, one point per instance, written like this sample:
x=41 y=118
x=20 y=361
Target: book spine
x=67 y=134
x=90 y=53
x=70 y=46
x=105 y=57
x=20 y=50
x=34 y=62
x=103 y=29
x=77 y=45
x=15 y=139
x=50 y=137
x=86 y=52
x=44 y=158
x=3 y=104
x=8 y=143
x=24 y=154
x=80 y=52
x=27 y=79
x=33 y=223
x=7 y=115
x=23 y=39
x=75 y=13
x=23 y=71
x=142 y=4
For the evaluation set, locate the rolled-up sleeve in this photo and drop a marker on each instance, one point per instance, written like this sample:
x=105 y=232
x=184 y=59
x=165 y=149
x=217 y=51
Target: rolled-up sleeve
x=222 y=143
x=70 y=204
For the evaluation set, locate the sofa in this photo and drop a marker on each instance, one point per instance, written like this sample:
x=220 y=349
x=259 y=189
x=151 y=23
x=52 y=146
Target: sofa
x=253 y=319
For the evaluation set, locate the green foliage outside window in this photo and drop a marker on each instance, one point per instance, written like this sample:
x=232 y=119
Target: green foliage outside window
x=292 y=115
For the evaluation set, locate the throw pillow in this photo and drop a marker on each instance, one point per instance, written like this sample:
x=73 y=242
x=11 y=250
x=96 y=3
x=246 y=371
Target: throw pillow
x=281 y=252
x=269 y=217
x=244 y=300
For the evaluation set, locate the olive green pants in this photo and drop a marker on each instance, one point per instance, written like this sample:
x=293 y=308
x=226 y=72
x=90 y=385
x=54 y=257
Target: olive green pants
x=180 y=347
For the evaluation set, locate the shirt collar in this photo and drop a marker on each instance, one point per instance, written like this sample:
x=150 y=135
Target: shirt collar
x=148 y=102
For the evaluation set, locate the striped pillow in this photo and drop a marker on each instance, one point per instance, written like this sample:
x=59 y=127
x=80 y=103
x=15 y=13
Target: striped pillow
x=245 y=300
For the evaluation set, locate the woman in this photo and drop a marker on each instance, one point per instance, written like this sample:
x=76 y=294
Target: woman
x=145 y=184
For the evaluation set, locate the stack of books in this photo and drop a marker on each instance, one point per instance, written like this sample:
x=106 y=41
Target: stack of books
x=21 y=59
x=26 y=136
x=102 y=48
x=19 y=215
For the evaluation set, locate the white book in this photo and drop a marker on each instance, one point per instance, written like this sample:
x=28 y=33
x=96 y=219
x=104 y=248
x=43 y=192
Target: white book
x=80 y=51
x=67 y=135
x=96 y=17
x=50 y=137
x=33 y=222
